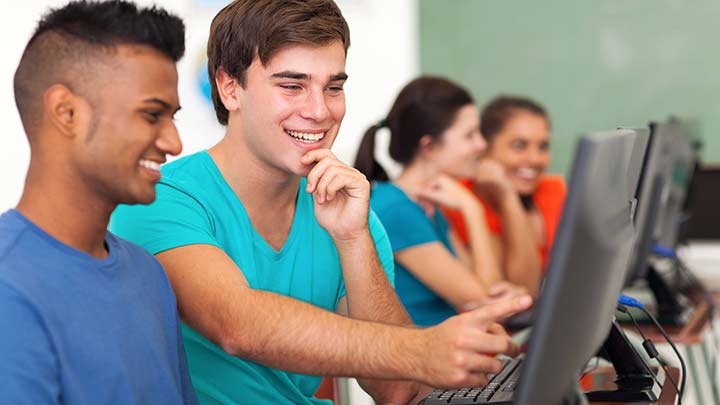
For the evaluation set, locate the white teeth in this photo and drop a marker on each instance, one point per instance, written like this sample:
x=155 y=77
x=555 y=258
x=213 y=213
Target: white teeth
x=306 y=137
x=150 y=164
x=527 y=173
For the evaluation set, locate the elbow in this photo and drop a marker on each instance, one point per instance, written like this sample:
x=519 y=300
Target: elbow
x=229 y=343
x=235 y=344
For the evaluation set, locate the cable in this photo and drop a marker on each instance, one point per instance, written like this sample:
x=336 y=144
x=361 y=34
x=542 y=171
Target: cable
x=590 y=369
x=677 y=353
x=652 y=352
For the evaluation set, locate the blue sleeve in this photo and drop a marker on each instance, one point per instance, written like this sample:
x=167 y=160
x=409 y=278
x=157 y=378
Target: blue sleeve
x=28 y=369
x=406 y=225
x=188 y=392
x=175 y=219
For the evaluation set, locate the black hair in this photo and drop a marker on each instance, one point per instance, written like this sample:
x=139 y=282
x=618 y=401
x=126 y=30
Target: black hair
x=70 y=38
x=425 y=106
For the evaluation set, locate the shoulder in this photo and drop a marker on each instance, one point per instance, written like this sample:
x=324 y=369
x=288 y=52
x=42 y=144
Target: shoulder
x=12 y=230
x=551 y=184
x=551 y=193
x=130 y=250
x=386 y=198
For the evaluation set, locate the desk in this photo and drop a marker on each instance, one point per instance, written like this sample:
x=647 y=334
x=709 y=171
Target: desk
x=603 y=377
x=697 y=343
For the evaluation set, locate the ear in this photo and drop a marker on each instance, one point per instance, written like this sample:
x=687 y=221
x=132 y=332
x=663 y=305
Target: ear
x=229 y=89
x=63 y=110
x=426 y=144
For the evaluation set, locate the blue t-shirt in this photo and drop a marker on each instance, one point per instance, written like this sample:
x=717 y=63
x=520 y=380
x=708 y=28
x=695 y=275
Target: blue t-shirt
x=81 y=330
x=407 y=226
x=195 y=205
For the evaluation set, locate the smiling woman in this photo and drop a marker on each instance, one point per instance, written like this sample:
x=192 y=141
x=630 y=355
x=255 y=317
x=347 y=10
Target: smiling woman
x=518 y=134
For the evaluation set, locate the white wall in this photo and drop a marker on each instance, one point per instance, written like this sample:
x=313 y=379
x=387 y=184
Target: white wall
x=382 y=58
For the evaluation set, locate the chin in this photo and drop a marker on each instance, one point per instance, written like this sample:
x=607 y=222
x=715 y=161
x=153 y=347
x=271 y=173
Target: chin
x=526 y=190
x=143 y=197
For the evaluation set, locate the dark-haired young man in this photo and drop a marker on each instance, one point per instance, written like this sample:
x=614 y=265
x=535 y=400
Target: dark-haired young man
x=86 y=317
x=268 y=240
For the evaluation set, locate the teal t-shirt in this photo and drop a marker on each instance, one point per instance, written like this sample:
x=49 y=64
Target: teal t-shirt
x=407 y=226
x=195 y=205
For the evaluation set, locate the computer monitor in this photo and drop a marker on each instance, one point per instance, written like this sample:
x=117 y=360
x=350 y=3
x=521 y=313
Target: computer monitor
x=662 y=190
x=587 y=267
x=650 y=189
x=703 y=202
x=680 y=167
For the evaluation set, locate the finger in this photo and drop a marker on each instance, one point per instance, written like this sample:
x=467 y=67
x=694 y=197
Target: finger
x=477 y=380
x=318 y=171
x=334 y=178
x=497 y=329
x=486 y=343
x=316 y=155
x=477 y=363
x=502 y=309
x=465 y=379
x=498 y=288
x=340 y=181
x=322 y=182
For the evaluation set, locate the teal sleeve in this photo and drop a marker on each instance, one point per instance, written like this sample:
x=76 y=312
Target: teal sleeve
x=382 y=245
x=175 y=219
x=407 y=226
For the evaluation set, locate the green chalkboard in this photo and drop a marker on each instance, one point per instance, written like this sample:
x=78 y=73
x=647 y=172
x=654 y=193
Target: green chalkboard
x=594 y=64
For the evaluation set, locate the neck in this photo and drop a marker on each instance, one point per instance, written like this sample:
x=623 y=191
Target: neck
x=415 y=175
x=68 y=210
x=261 y=188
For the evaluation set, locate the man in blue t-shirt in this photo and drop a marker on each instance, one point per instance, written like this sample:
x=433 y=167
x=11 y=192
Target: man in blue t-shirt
x=87 y=317
x=281 y=271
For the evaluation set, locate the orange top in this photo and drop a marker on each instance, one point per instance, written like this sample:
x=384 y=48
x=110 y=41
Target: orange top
x=548 y=197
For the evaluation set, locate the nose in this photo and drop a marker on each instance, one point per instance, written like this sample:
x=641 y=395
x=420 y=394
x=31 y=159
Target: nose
x=169 y=140
x=480 y=143
x=538 y=157
x=315 y=106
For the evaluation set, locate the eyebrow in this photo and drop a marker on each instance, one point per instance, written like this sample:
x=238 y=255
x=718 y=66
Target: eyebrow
x=164 y=104
x=304 y=76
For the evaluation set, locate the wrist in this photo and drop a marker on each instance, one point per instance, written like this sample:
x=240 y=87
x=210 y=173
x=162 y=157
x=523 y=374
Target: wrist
x=471 y=206
x=510 y=202
x=352 y=239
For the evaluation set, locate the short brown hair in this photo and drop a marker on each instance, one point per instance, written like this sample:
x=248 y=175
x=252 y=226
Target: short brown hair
x=246 y=28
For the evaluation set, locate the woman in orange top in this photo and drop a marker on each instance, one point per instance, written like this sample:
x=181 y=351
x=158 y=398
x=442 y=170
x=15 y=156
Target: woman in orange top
x=517 y=131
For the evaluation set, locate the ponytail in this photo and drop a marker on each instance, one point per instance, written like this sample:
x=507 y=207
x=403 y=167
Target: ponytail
x=365 y=159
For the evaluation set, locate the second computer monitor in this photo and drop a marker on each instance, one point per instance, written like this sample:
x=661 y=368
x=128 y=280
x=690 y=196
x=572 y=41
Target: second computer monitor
x=587 y=266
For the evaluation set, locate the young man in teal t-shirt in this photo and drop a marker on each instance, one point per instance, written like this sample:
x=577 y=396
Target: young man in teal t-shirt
x=281 y=271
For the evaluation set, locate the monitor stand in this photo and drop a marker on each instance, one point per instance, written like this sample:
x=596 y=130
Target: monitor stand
x=635 y=381
x=670 y=311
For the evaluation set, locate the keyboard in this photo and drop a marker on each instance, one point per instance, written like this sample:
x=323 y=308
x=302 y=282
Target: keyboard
x=499 y=389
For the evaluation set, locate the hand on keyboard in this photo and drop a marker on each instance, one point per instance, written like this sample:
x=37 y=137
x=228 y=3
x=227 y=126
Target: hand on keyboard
x=461 y=351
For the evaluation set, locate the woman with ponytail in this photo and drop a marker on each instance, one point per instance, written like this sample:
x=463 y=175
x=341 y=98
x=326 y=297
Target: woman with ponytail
x=435 y=136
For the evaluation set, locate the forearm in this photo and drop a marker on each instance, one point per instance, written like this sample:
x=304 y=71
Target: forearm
x=316 y=341
x=521 y=259
x=371 y=297
x=485 y=264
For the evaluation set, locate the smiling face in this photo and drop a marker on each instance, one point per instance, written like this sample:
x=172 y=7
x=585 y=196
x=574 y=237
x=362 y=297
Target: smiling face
x=292 y=105
x=460 y=146
x=523 y=148
x=131 y=128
